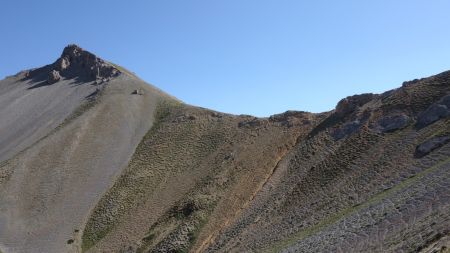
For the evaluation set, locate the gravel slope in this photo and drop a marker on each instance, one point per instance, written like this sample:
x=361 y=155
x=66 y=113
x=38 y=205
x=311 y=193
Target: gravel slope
x=62 y=146
x=29 y=114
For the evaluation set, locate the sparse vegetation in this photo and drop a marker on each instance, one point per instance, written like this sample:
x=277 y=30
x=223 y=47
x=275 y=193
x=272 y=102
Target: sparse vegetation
x=169 y=177
x=95 y=232
x=122 y=69
x=373 y=200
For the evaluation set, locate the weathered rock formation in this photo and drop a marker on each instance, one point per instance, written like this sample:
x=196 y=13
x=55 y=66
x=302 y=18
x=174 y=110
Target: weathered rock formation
x=53 y=77
x=436 y=111
x=393 y=122
x=351 y=103
x=431 y=144
x=78 y=63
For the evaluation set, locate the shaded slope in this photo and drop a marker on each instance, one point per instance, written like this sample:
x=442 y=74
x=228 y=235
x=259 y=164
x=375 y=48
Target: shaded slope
x=30 y=114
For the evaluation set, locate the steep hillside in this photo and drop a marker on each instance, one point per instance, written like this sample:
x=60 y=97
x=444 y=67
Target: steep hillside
x=63 y=142
x=359 y=182
x=95 y=160
x=191 y=175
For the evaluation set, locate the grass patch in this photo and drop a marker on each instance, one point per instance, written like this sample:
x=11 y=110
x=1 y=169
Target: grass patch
x=90 y=239
x=148 y=238
x=163 y=111
x=193 y=235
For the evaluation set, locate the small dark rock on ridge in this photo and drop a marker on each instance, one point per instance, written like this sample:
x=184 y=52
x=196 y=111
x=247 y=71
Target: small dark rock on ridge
x=138 y=92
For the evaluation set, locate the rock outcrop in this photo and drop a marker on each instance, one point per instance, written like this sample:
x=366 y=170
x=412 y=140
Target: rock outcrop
x=393 y=122
x=434 y=112
x=292 y=118
x=445 y=101
x=83 y=65
x=346 y=129
x=430 y=145
x=76 y=59
x=351 y=103
x=53 y=77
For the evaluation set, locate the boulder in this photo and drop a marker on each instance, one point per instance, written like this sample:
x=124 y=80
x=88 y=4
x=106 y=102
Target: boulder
x=346 y=129
x=393 y=122
x=62 y=63
x=430 y=145
x=137 y=91
x=445 y=101
x=432 y=114
x=53 y=77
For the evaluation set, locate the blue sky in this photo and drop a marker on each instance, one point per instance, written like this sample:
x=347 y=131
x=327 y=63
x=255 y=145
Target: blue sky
x=244 y=57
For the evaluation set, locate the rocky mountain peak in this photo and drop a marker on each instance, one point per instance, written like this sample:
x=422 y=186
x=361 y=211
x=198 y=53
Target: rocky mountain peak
x=77 y=62
x=72 y=50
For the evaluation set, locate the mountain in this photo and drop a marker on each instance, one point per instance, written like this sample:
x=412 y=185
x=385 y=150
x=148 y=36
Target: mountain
x=93 y=159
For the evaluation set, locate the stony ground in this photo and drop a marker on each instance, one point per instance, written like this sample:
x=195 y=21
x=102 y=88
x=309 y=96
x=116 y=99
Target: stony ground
x=114 y=165
x=82 y=135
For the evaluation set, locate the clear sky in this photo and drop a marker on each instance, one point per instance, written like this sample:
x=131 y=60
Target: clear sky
x=255 y=57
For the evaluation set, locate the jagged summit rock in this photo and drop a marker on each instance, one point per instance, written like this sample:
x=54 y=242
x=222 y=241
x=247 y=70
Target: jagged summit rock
x=75 y=61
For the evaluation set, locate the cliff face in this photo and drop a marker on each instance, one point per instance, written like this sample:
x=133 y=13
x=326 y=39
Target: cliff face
x=115 y=165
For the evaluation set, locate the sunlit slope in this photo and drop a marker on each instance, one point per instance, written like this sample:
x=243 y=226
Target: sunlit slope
x=63 y=144
x=93 y=159
x=358 y=182
x=370 y=176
